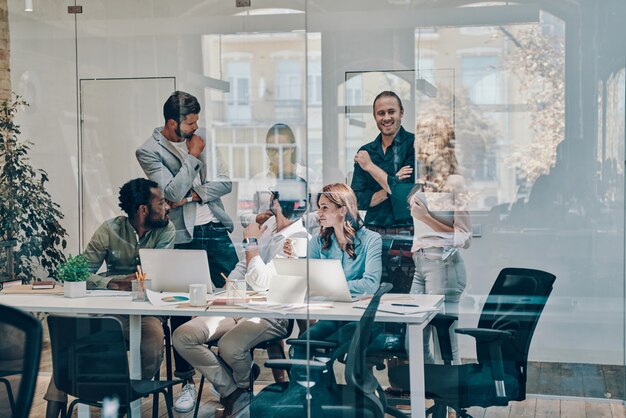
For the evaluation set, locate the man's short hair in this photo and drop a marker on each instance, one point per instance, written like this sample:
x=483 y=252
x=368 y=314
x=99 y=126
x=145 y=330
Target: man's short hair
x=281 y=129
x=293 y=196
x=135 y=193
x=179 y=105
x=387 y=93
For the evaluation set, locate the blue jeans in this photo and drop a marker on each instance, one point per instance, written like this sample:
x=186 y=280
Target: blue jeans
x=442 y=277
x=213 y=238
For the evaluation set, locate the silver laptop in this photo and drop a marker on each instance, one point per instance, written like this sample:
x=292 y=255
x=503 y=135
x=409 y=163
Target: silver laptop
x=327 y=281
x=287 y=289
x=175 y=270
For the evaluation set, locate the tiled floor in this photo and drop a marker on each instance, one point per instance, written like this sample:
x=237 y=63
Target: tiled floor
x=532 y=407
x=549 y=379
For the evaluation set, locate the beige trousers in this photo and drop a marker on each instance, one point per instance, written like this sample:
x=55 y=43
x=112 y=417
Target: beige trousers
x=236 y=337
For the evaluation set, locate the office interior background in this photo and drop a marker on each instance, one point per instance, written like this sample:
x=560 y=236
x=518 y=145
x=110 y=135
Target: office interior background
x=536 y=90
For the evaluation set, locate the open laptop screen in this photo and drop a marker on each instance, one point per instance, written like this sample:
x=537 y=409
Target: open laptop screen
x=326 y=278
x=174 y=270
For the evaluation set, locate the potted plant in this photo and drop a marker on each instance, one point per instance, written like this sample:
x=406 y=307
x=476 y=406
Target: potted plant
x=74 y=273
x=30 y=221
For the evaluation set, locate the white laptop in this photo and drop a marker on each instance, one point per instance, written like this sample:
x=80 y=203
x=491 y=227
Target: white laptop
x=327 y=282
x=174 y=270
x=287 y=289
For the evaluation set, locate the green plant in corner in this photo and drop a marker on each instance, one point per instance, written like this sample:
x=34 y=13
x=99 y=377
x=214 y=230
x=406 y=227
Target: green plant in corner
x=28 y=215
x=75 y=269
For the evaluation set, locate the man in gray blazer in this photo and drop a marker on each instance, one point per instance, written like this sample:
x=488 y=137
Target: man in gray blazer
x=193 y=181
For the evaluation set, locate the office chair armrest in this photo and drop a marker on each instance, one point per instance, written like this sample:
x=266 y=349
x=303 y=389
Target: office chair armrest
x=493 y=339
x=289 y=364
x=444 y=319
x=442 y=324
x=313 y=343
x=484 y=335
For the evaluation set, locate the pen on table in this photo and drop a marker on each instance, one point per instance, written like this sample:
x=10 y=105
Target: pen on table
x=379 y=310
x=209 y=305
x=228 y=281
x=405 y=304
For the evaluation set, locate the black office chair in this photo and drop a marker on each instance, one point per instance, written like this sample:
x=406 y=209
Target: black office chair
x=503 y=337
x=361 y=396
x=273 y=345
x=25 y=353
x=89 y=362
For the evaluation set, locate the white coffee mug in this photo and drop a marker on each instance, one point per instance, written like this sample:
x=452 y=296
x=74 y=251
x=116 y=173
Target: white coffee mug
x=197 y=294
x=299 y=246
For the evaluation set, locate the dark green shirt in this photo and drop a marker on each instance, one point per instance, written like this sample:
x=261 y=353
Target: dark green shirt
x=400 y=153
x=116 y=242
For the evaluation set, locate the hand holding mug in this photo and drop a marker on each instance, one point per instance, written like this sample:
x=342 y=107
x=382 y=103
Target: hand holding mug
x=288 y=249
x=296 y=247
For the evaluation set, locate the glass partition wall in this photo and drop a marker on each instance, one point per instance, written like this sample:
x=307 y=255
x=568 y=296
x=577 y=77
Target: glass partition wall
x=534 y=91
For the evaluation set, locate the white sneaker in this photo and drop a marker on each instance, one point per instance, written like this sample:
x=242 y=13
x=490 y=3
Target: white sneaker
x=186 y=399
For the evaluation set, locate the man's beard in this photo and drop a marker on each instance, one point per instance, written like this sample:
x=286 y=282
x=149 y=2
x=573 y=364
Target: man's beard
x=152 y=222
x=182 y=135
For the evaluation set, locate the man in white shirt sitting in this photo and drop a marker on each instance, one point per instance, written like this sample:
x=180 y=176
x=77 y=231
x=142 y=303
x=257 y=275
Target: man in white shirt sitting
x=238 y=335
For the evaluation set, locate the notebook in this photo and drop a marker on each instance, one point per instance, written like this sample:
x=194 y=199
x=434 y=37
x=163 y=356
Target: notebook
x=326 y=279
x=174 y=270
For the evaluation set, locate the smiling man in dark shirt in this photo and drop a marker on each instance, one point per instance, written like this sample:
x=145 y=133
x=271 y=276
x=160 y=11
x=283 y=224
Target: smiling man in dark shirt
x=382 y=163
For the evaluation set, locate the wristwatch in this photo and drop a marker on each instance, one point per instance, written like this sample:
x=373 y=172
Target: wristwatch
x=249 y=241
x=189 y=199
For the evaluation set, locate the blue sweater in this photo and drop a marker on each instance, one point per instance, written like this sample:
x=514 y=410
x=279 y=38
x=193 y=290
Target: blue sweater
x=363 y=272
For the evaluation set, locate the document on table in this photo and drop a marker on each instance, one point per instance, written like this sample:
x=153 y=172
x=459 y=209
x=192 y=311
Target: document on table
x=99 y=293
x=166 y=298
x=283 y=308
x=399 y=308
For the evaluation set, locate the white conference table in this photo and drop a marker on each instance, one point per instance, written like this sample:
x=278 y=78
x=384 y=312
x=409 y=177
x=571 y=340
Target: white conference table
x=122 y=305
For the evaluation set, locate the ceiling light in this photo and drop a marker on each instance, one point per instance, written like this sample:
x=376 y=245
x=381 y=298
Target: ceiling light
x=28 y=5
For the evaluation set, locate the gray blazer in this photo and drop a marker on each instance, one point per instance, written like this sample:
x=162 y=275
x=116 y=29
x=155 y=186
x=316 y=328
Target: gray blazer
x=162 y=163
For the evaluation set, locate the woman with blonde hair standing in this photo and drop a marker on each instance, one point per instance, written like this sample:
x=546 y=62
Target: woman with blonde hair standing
x=441 y=221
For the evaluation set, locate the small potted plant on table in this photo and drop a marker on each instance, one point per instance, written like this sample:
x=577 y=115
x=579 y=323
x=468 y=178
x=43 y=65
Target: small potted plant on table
x=74 y=273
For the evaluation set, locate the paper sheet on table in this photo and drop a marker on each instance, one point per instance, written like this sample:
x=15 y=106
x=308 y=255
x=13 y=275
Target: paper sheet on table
x=98 y=293
x=405 y=310
x=284 y=308
x=166 y=298
x=392 y=307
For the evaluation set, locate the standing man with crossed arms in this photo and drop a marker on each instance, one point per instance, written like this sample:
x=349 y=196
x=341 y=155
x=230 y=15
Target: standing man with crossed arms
x=381 y=164
x=378 y=167
x=176 y=157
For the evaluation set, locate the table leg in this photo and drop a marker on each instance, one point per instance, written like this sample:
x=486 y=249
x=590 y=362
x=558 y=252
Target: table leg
x=135 y=357
x=416 y=370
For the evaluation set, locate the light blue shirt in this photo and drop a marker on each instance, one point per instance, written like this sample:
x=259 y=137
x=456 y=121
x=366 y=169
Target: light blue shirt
x=363 y=272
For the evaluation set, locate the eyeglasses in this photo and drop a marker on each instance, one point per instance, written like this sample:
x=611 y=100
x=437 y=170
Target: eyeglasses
x=274 y=149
